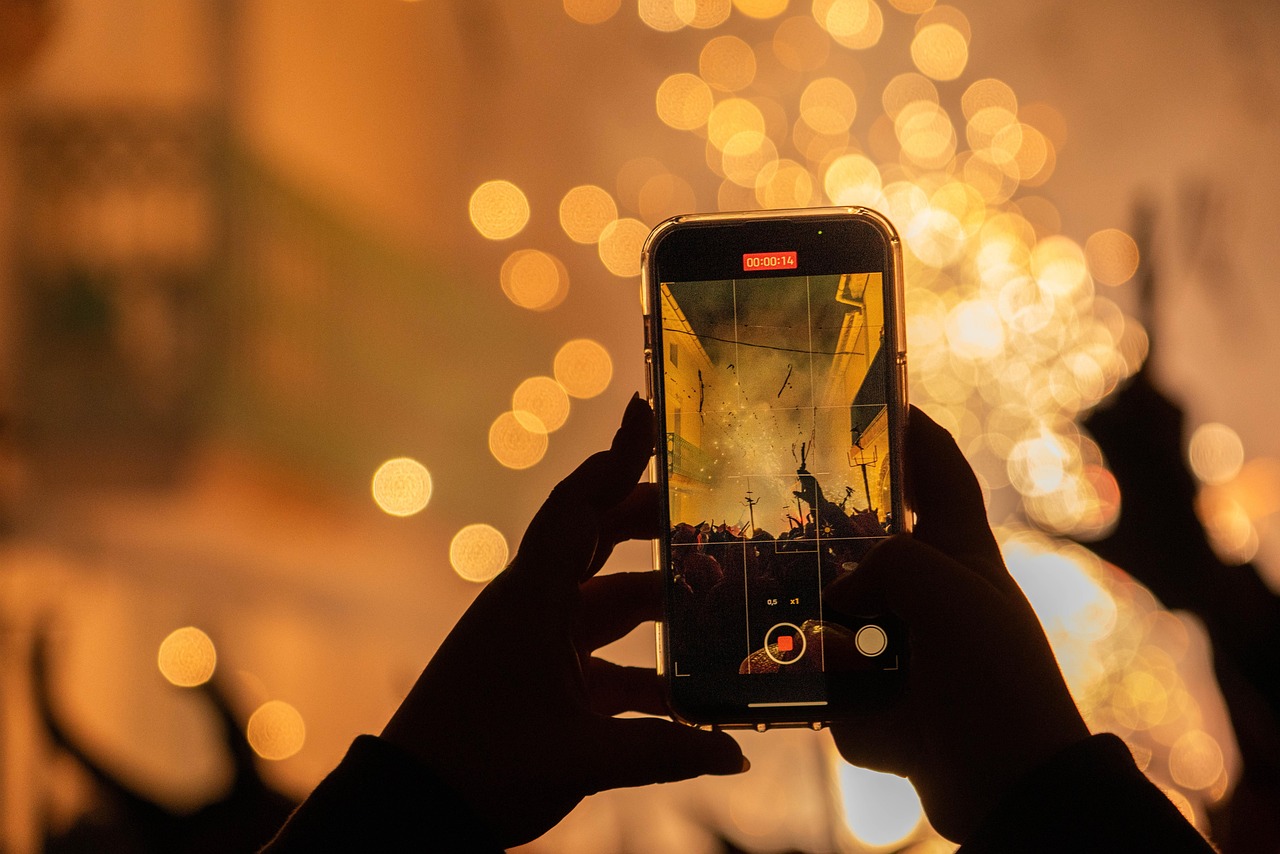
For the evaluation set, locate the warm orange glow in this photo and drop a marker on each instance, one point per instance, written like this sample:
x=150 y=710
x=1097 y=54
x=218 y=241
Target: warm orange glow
x=747 y=156
x=187 y=657
x=731 y=117
x=828 y=105
x=402 y=486
x=684 y=101
x=513 y=444
x=499 y=210
x=856 y=24
x=940 y=51
x=661 y=15
x=620 y=244
x=703 y=14
x=591 y=11
x=985 y=93
x=727 y=63
x=276 y=730
x=585 y=211
x=907 y=89
x=534 y=279
x=664 y=196
x=1112 y=256
x=789 y=185
x=478 y=552
x=912 y=7
x=800 y=44
x=761 y=8
x=1195 y=760
x=540 y=403
x=583 y=368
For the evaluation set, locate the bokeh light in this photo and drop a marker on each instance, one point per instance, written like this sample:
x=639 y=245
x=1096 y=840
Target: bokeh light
x=727 y=63
x=620 y=244
x=684 y=101
x=591 y=11
x=761 y=8
x=800 y=44
x=401 y=486
x=661 y=15
x=187 y=657
x=583 y=368
x=828 y=105
x=1112 y=256
x=880 y=809
x=534 y=279
x=855 y=24
x=276 y=730
x=513 y=444
x=703 y=14
x=1215 y=453
x=478 y=552
x=540 y=403
x=585 y=211
x=940 y=51
x=499 y=210
x=1195 y=760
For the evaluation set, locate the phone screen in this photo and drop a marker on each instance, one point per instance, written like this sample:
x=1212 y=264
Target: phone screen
x=779 y=395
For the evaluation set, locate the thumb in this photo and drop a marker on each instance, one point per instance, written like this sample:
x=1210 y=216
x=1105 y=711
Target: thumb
x=640 y=751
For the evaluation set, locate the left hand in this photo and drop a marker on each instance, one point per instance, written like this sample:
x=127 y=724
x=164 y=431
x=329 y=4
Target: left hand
x=513 y=711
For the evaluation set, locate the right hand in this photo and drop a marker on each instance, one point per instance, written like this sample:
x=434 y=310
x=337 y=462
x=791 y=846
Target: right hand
x=984 y=702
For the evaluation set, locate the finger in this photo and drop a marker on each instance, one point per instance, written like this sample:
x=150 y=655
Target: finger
x=612 y=605
x=640 y=751
x=613 y=689
x=950 y=512
x=636 y=518
x=913 y=580
x=876 y=741
x=561 y=540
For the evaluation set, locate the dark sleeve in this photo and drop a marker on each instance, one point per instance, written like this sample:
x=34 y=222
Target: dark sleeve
x=1090 y=797
x=379 y=798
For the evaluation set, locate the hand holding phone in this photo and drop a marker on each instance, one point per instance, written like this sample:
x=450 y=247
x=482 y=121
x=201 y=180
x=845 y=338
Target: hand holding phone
x=778 y=376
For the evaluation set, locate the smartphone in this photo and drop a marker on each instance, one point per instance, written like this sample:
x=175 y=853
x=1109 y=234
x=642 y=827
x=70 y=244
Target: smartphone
x=776 y=357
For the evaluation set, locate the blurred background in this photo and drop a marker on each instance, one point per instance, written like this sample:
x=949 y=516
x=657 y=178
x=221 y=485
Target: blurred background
x=305 y=307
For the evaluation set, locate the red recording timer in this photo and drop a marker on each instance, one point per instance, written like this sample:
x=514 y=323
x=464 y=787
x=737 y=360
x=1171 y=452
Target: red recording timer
x=768 y=261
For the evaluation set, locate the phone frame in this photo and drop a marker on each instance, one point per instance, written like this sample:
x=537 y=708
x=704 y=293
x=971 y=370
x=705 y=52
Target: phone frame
x=705 y=249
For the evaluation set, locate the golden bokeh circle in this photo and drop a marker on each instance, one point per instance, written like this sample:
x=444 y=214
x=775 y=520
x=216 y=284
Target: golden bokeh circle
x=761 y=8
x=585 y=211
x=727 y=63
x=620 y=244
x=907 y=88
x=187 y=657
x=828 y=105
x=940 y=51
x=583 y=368
x=660 y=15
x=1215 y=453
x=731 y=117
x=1112 y=256
x=988 y=92
x=591 y=11
x=513 y=444
x=401 y=486
x=1195 y=760
x=478 y=552
x=800 y=44
x=534 y=279
x=684 y=101
x=276 y=730
x=703 y=14
x=545 y=400
x=855 y=24
x=499 y=210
